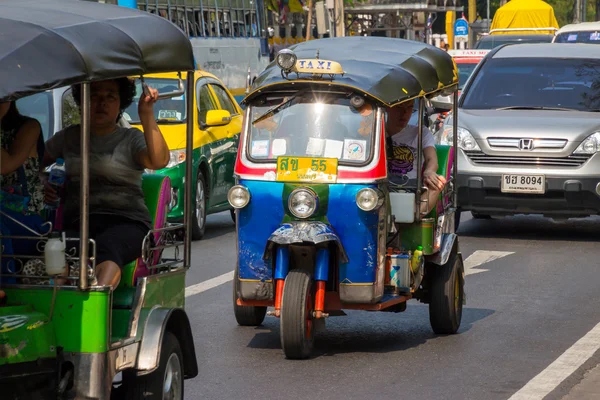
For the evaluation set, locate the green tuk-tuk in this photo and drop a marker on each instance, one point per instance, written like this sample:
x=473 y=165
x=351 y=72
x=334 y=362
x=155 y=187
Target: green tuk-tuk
x=71 y=340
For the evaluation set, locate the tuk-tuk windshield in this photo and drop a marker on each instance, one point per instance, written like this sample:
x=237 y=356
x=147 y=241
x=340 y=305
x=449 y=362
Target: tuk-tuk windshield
x=311 y=125
x=166 y=111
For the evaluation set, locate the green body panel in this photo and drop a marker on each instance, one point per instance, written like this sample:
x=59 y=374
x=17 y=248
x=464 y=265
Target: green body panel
x=25 y=335
x=81 y=319
x=120 y=324
x=417 y=234
x=322 y=191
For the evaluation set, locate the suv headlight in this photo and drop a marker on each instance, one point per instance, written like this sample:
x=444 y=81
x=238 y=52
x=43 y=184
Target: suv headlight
x=303 y=202
x=590 y=145
x=466 y=141
x=176 y=157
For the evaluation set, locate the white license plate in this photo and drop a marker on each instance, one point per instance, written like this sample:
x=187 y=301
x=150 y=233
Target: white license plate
x=535 y=184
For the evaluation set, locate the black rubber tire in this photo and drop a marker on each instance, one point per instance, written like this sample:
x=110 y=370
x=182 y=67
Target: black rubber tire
x=296 y=342
x=445 y=313
x=457 y=216
x=477 y=215
x=246 y=315
x=197 y=230
x=151 y=386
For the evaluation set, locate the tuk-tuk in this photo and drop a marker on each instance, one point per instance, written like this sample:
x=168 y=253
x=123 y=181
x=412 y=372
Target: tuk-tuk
x=321 y=225
x=71 y=340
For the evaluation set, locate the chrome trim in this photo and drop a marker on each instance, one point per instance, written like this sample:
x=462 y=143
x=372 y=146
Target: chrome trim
x=138 y=302
x=189 y=155
x=149 y=353
x=535 y=143
x=94 y=372
x=51 y=287
x=574 y=160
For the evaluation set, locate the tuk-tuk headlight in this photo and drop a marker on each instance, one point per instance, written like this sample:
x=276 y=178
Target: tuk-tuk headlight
x=286 y=59
x=176 y=157
x=368 y=199
x=238 y=196
x=303 y=203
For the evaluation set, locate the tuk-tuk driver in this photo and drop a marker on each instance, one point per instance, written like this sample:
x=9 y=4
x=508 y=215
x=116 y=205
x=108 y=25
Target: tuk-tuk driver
x=118 y=217
x=401 y=148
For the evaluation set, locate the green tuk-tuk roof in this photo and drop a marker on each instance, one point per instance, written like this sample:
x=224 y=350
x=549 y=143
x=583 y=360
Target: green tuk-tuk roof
x=388 y=70
x=45 y=44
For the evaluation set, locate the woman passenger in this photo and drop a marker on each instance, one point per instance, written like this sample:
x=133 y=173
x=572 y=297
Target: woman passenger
x=118 y=217
x=19 y=175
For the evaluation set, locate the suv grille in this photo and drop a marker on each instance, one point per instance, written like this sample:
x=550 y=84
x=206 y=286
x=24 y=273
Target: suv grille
x=574 y=160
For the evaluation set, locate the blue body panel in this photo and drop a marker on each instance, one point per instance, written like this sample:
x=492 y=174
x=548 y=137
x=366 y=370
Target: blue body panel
x=256 y=222
x=264 y=214
x=357 y=230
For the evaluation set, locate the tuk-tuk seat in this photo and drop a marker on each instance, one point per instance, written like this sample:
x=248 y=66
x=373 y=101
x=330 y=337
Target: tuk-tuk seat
x=157 y=195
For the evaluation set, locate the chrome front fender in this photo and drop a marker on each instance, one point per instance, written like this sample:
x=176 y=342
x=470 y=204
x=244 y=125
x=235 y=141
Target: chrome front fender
x=442 y=256
x=304 y=232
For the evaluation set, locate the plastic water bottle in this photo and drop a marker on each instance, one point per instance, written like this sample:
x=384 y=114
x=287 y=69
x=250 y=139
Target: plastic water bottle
x=416 y=259
x=54 y=254
x=57 y=179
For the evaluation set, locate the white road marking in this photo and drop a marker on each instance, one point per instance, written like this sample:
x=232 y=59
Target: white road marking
x=549 y=379
x=474 y=260
x=209 y=284
x=481 y=257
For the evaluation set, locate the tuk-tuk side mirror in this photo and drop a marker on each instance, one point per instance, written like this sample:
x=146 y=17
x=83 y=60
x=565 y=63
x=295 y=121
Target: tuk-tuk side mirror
x=217 y=118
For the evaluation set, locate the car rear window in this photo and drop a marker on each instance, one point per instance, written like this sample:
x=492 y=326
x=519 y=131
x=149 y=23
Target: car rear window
x=539 y=82
x=578 y=37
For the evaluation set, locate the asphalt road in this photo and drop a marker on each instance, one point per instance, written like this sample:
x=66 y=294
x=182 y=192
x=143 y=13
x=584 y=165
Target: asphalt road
x=530 y=300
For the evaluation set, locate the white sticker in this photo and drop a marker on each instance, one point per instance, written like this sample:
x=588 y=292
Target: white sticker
x=279 y=147
x=355 y=150
x=315 y=147
x=595 y=36
x=572 y=37
x=169 y=114
x=178 y=98
x=333 y=149
x=260 y=148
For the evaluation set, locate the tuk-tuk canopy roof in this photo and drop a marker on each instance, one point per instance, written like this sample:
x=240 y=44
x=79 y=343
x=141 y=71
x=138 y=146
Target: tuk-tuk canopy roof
x=386 y=69
x=46 y=44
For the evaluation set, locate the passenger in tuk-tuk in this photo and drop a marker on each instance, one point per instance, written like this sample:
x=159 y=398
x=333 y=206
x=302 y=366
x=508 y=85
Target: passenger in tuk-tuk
x=22 y=192
x=118 y=217
x=401 y=146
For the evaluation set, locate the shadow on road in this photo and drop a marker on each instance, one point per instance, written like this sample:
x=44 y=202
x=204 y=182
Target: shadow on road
x=529 y=227
x=366 y=332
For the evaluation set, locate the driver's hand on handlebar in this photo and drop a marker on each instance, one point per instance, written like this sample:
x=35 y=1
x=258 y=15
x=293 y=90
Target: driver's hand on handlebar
x=434 y=181
x=50 y=195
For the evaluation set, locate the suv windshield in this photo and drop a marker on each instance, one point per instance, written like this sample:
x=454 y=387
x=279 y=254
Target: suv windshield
x=492 y=41
x=311 y=125
x=166 y=111
x=592 y=37
x=572 y=84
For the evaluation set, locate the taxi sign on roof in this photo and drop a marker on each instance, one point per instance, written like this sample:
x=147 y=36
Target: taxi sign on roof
x=468 y=53
x=316 y=66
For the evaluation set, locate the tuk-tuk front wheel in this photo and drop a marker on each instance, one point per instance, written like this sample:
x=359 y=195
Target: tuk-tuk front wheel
x=166 y=382
x=199 y=212
x=297 y=326
x=447 y=293
x=246 y=315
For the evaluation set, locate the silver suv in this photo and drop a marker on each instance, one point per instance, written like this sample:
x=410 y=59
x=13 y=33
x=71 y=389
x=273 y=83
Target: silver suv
x=529 y=132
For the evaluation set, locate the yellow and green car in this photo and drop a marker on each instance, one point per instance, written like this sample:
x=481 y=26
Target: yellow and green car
x=217 y=125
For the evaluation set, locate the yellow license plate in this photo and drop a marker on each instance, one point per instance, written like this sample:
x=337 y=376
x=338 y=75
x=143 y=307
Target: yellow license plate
x=307 y=169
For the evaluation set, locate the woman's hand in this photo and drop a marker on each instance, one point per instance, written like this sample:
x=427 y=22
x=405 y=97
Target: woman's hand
x=146 y=104
x=434 y=181
x=50 y=195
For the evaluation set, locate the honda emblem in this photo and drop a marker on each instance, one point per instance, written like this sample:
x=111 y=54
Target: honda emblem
x=526 y=144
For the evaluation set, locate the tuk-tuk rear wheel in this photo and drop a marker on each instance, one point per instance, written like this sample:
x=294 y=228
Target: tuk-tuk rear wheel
x=446 y=295
x=246 y=315
x=167 y=381
x=297 y=328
